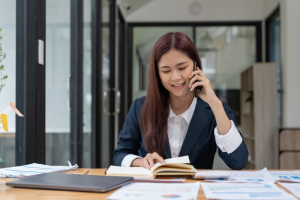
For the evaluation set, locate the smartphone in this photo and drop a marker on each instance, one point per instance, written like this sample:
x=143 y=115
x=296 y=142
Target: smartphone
x=198 y=87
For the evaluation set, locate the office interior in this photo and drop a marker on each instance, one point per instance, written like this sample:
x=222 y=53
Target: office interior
x=95 y=56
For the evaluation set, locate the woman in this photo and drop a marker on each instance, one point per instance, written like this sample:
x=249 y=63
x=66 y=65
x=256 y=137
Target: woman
x=171 y=121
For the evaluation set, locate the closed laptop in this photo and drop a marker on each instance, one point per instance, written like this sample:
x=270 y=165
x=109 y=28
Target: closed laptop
x=87 y=183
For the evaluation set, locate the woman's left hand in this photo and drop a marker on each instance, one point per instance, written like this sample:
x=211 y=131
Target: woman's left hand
x=207 y=93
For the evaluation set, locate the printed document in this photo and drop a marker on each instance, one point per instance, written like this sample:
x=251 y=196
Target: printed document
x=157 y=191
x=261 y=176
x=286 y=176
x=292 y=187
x=244 y=191
x=33 y=169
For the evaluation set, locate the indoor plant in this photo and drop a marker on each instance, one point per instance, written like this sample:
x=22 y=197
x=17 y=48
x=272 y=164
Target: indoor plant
x=2 y=57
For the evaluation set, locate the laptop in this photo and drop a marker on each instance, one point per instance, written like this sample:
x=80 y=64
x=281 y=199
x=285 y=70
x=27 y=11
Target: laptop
x=74 y=182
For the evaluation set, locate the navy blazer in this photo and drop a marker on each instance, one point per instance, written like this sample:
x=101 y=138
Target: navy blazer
x=199 y=143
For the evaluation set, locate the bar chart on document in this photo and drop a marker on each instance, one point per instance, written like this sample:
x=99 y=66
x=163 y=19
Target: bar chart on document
x=244 y=191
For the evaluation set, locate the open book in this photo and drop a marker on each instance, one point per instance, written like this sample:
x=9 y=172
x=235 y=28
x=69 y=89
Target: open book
x=174 y=166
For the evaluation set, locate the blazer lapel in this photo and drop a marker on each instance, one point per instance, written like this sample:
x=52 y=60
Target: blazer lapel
x=167 y=149
x=200 y=117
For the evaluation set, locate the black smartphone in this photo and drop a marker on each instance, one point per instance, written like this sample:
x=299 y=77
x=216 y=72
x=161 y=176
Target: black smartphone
x=198 y=87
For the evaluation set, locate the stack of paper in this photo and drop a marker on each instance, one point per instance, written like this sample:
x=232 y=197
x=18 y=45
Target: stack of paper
x=244 y=191
x=33 y=169
x=157 y=191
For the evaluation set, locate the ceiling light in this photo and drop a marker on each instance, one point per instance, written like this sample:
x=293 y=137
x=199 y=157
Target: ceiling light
x=195 y=8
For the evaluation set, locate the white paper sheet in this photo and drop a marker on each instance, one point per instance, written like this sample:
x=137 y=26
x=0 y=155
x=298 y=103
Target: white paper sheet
x=286 y=176
x=173 y=180
x=261 y=176
x=244 y=191
x=157 y=191
x=33 y=169
x=292 y=187
x=212 y=174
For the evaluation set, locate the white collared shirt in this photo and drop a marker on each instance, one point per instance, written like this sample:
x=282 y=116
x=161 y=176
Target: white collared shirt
x=177 y=130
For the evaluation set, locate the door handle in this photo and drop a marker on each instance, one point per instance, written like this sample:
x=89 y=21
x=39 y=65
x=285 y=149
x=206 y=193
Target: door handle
x=118 y=104
x=68 y=88
x=105 y=94
x=118 y=101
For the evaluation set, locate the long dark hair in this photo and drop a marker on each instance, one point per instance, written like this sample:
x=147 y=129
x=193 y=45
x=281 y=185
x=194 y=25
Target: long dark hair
x=155 y=110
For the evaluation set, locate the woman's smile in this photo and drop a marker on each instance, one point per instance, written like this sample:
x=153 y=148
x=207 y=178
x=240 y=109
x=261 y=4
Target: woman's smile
x=178 y=86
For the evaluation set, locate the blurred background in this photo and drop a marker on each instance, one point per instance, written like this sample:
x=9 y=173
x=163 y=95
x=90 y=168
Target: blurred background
x=96 y=55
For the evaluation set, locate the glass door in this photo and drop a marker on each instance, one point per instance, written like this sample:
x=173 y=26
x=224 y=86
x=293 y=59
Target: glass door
x=273 y=53
x=7 y=85
x=58 y=81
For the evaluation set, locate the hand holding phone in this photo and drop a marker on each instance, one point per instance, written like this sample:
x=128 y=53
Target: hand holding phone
x=199 y=88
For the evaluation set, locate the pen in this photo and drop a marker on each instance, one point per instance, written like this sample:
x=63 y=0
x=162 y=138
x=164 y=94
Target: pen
x=2 y=176
x=85 y=173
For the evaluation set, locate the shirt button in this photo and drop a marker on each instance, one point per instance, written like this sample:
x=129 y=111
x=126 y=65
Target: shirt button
x=177 y=123
x=175 y=137
x=173 y=154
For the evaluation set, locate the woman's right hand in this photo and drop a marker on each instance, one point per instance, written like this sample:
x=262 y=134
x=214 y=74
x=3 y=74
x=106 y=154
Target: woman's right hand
x=149 y=161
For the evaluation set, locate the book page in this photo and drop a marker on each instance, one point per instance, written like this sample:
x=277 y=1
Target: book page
x=183 y=159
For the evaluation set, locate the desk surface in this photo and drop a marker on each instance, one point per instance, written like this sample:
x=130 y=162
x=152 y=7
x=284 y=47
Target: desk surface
x=9 y=193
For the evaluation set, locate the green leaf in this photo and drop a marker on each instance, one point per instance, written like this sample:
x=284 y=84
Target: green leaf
x=1 y=67
x=250 y=98
x=5 y=77
x=0 y=29
x=4 y=56
x=2 y=85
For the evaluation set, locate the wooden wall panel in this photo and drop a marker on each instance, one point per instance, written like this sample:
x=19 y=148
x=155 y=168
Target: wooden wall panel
x=290 y=140
x=290 y=160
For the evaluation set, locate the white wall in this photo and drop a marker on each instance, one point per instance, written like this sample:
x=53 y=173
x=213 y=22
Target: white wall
x=269 y=6
x=212 y=10
x=290 y=56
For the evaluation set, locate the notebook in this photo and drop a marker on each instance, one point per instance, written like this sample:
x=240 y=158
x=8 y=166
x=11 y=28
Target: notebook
x=75 y=182
x=174 y=166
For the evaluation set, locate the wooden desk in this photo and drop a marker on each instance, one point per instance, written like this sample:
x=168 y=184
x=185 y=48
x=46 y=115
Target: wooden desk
x=9 y=193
